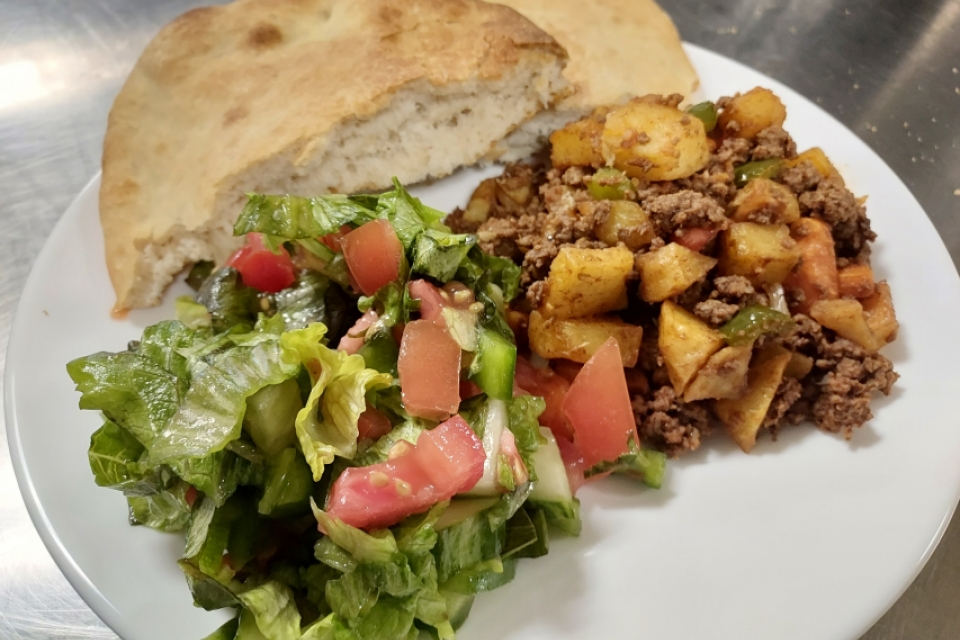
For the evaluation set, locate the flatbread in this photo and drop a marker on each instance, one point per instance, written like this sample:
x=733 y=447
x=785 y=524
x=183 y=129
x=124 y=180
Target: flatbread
x=304 y=97
x=617 y=48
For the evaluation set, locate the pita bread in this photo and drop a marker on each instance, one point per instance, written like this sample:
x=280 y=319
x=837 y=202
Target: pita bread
x=303 y=97
x=617 y=48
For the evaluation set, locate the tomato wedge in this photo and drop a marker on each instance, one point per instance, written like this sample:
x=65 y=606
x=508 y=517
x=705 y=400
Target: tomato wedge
x=332 y=240
x=353 y=339
x=445 y=461
x=553 y=388
x=433 y=300
x=598 y=406
x=261 y=268
x=696 y=238
x=373 y=424
x=429 y=368
x=373 y=254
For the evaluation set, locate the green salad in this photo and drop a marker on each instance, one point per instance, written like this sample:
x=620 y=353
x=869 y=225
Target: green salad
x=340 y=423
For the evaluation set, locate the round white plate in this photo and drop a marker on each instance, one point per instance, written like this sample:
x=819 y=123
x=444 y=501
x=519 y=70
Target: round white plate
x=808 y=537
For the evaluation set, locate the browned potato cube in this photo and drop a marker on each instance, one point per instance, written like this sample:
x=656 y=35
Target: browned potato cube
x=879 y=314
x=743 y=416
x=626 y=223
x=671 y=270
x=578 y=143
x=763 y=253
x=483 y=198
x=845 y=316
x=856 y=281
x=752 y=112
x=799 y=366
x=819 y=160
x=587 y=282
x=577 y=339
x=765 y=201
x=686 y=343
x=723 y=376
x=653 y=141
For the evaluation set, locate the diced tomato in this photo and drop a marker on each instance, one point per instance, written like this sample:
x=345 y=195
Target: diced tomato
x=544 y=382
x=433 y=300
x=190 y=496
x=373 y=254
x=261 y=268
x=696 y=238
x=469 y=389
x=373 y=424
x=353 y=339
x=573 y=461
x=445 y=461
x=429 y=368
x=598 y=406
x=332 y=240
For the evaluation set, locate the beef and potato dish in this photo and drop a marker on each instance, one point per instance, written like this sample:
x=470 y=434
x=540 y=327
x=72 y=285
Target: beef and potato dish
x=733 y=271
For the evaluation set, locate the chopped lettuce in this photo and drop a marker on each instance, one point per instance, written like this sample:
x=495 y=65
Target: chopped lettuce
x=438 y=254
x=273 y=609
x=296 y=218
x=327 y=425
x=229 y=301
x=641 y=464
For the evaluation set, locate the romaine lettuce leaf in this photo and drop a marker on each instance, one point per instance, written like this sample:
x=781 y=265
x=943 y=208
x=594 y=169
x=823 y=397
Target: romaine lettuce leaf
x=327 y=425
x=407 y=214
x=227 y=631
x=229 y=301
x=132 y=391
x=114 y=457
x=522 y=419
x=274 y=610
x=192 y=314
x=295 y=218
x=223 y=374
x=304 y=302
x=641 y=464
x=362 y=546
x=438 y=254
x=167 y=510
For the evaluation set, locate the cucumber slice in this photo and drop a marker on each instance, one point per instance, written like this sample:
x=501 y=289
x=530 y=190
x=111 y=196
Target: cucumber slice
x=460 y=510
x=288 y=485
x=494 y=420
x=458 y=607
x=271 y=414
x=551 y=492
x=552 y=484
x=494 y=364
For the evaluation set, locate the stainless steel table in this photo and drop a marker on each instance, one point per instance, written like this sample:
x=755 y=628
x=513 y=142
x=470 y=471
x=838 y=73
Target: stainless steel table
x=887 y=68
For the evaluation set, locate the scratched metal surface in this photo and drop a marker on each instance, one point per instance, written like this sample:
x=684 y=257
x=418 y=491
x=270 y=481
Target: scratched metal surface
x=886 y=68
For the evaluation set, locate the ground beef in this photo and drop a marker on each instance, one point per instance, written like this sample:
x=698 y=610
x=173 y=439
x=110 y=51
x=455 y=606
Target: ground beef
x=835 y=395
x=801 y=178
x=774 y=142
x=715 y=312
x=787 y=394
x=684 y=209
x=833 y=203
x=667 y=423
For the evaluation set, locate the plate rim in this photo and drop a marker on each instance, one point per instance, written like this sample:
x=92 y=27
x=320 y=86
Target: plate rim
x=92 y=595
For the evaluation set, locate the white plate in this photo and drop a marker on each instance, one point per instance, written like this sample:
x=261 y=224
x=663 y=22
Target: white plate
x=808 y=537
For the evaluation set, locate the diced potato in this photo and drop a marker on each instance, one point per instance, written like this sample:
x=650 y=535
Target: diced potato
x=799 y=366
x=753 y=112
x=478 y=209
x=626 y=223
x=578 y=143
x=586 y=282
x=856 y=281
x=723 y=376
x=763 y=253
x=815 y=278
x=578 y=339
x=819 y=160
x=879 y=314
x=743 y=416
x=845 y=316
x=765 y=201
x=686 y=343
x=647 y=139
x=671 y=270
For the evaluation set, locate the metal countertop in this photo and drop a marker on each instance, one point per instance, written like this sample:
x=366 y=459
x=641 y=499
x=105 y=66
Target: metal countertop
x=888 y=69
